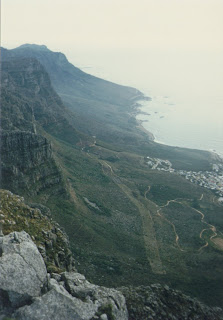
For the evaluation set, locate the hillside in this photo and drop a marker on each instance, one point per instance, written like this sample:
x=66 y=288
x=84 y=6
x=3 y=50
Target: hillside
x=96 y=103
x=32 y=244
x=128 y=224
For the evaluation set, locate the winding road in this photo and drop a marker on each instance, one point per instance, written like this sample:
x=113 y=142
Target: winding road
x=148 y=228
x=171 y=223
x=211 y=227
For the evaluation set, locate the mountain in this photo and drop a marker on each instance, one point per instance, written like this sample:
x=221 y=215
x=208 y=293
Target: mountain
x=34 y=100
x=97 y=103
x=103 y=109
x=128 y=223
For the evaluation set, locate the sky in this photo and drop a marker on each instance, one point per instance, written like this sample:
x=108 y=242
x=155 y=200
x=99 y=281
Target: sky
x=162 y=47
x=179 y=24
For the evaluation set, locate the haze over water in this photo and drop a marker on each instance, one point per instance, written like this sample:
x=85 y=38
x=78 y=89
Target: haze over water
x=186 y=90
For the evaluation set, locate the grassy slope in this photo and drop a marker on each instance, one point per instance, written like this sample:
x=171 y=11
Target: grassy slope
x=124 y=239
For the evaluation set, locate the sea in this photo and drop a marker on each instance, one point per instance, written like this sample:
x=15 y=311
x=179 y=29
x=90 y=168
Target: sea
x=186 y=90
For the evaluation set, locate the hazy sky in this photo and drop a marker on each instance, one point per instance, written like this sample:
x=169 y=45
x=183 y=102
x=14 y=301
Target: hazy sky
x=163 y=47
x=62 y=24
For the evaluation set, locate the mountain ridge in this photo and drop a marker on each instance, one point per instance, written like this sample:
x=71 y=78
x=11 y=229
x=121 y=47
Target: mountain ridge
x=85 y=95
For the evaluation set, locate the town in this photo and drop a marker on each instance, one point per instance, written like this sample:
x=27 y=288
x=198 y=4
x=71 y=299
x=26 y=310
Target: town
x=208 y=179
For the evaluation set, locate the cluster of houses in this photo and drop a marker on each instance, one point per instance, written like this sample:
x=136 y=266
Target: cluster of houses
x=208 y=179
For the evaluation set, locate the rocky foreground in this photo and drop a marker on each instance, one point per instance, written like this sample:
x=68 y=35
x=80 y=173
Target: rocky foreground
x=38 y=279
x=28 y=292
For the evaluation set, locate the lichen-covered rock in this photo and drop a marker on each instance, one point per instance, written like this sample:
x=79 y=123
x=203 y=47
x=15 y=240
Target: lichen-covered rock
x=109 y=301
x=56 y=304
x=84 y=301
x=23 y=273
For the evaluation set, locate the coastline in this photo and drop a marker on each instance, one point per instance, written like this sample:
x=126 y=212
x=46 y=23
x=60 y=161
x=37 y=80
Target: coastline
x=217 y=156
x=141 y=128
x=136 y=111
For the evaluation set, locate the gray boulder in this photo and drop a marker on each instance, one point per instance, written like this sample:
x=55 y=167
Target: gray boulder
x=28 y=293
x=23 y=273
x=56 y=304
x=82 y=301
x=109 y=301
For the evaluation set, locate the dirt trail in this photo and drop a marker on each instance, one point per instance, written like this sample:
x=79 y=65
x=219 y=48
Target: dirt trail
x=159 y=214
x=149 y=234
x=171 y=223
x=211 y=227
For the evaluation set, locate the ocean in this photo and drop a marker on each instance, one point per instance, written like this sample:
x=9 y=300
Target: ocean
x=186 y=109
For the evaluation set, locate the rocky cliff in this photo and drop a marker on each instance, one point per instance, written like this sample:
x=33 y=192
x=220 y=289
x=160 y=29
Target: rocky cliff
x=30 y=105
x=29 y=101
x=27 y=292
x=28 y=166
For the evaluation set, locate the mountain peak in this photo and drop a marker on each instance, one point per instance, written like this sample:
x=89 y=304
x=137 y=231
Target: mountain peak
x=33 y=46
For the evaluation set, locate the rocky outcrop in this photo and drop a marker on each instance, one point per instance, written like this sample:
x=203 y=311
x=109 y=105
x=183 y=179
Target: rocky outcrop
x=22 y=269
x=51 y=241
x=71 y=296
x=28 y=293
x=159 y=302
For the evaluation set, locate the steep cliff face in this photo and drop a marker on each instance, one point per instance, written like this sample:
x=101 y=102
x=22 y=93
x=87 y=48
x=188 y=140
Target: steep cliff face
x=26 y=80
x=28 y=100
x=29 y=104
x=28 y=166
x=17 y=113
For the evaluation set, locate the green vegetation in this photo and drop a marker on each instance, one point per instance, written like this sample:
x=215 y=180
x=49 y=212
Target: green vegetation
x=161 y=193
x=127 y=224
